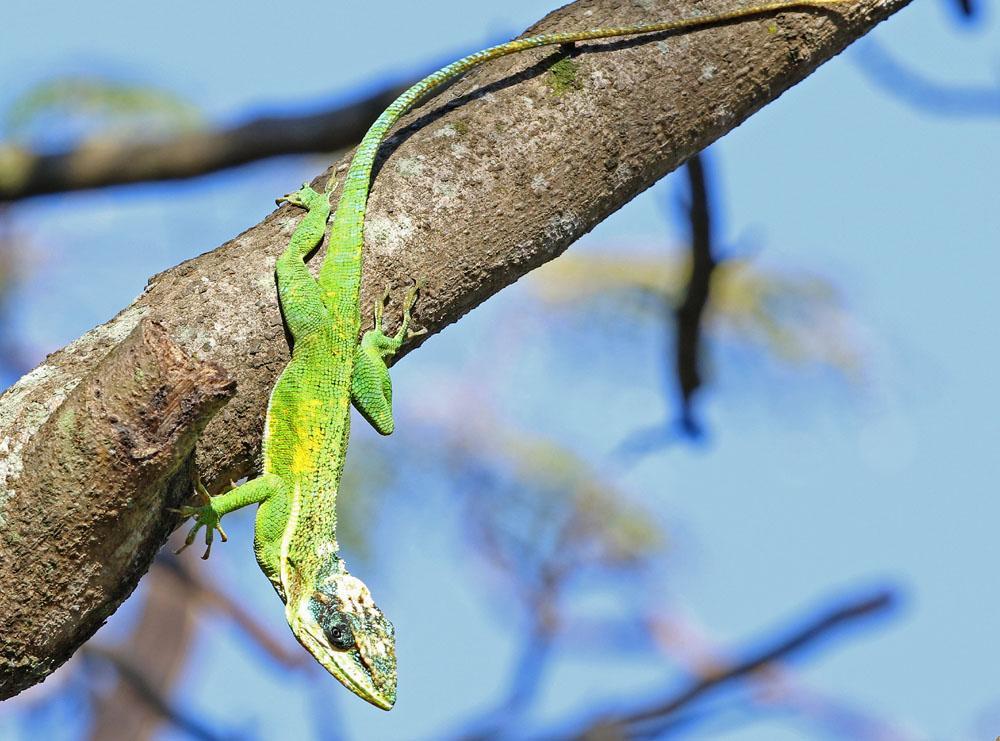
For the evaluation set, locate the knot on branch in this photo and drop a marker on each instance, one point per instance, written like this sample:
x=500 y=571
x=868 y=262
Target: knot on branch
x=88 y=512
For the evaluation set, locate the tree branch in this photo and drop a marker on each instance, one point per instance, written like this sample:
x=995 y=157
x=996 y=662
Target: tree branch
x=106 y=162
x=88 y=512
x=898 y=80
x=148 y=664
x=688 y=315
x=494 y=177
x=657 y=718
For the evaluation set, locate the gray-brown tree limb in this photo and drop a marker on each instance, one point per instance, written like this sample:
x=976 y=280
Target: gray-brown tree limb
x=489 y=180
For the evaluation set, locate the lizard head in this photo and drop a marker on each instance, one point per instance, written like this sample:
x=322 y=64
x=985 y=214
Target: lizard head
x=342 y=627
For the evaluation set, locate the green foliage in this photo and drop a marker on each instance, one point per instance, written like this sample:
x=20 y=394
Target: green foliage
x=541 y=516
x=98 y=106
x=795 y=318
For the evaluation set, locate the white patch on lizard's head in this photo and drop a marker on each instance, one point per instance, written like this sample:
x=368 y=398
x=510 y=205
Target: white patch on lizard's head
x=327 y=548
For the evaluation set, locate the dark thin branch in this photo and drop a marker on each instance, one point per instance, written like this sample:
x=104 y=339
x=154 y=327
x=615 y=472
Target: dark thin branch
x=148 y=694
x=660 y=717
x=103 y=163
x=966 y=8
x=686 y=331
x=688 y=316
x=908 y=86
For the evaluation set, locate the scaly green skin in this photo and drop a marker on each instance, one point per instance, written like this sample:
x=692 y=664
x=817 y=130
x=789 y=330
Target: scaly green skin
x=308 y=417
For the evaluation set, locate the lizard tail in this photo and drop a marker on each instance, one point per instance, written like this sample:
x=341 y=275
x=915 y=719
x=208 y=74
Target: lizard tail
x=348 y=223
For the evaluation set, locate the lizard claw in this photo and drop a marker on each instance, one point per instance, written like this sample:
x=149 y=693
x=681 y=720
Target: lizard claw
x=380 y=307
x=413 y=293
x=292 y=198
x=297 y=198
x=204 y=516
x=408 y=303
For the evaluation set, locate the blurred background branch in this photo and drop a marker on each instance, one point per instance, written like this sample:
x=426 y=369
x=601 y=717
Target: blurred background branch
x=663 y=716
x=904 y=83
x=689 y=313
x=105 y=158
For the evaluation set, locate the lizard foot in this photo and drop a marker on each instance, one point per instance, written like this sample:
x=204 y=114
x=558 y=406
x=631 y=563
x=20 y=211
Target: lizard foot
x=204 y=516
x=379 y=332
x=302 y=198
x=408 y=302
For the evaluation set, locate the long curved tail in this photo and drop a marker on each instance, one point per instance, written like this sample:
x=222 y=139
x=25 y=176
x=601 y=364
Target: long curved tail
x=340 y=275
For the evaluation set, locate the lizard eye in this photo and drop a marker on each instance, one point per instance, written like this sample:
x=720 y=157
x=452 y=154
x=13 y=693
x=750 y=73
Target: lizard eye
x=335 y=624
x=341 y=636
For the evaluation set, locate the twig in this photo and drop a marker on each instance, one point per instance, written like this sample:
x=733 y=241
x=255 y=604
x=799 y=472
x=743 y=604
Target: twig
x=103 y=163
x=660 y=716
x=686 y=330
x=688 y=315
x=148 y=694
x=902 y=83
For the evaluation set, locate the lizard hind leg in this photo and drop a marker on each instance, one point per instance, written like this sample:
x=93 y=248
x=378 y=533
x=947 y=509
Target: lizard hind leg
x=301 y=303
x=371 y=386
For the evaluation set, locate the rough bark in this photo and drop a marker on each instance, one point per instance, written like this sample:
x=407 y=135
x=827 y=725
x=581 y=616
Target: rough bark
x=494 y=177
x=89 y=510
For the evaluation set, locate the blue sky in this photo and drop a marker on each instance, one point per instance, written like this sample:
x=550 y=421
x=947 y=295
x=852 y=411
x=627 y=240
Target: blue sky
x=805 y=487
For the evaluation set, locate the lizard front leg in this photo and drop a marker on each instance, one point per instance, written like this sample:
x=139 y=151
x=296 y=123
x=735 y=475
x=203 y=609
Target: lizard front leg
x=211 y=509
x=371 y=386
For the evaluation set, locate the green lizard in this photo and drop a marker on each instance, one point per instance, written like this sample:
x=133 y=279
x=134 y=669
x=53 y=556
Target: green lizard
x=308 y=417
